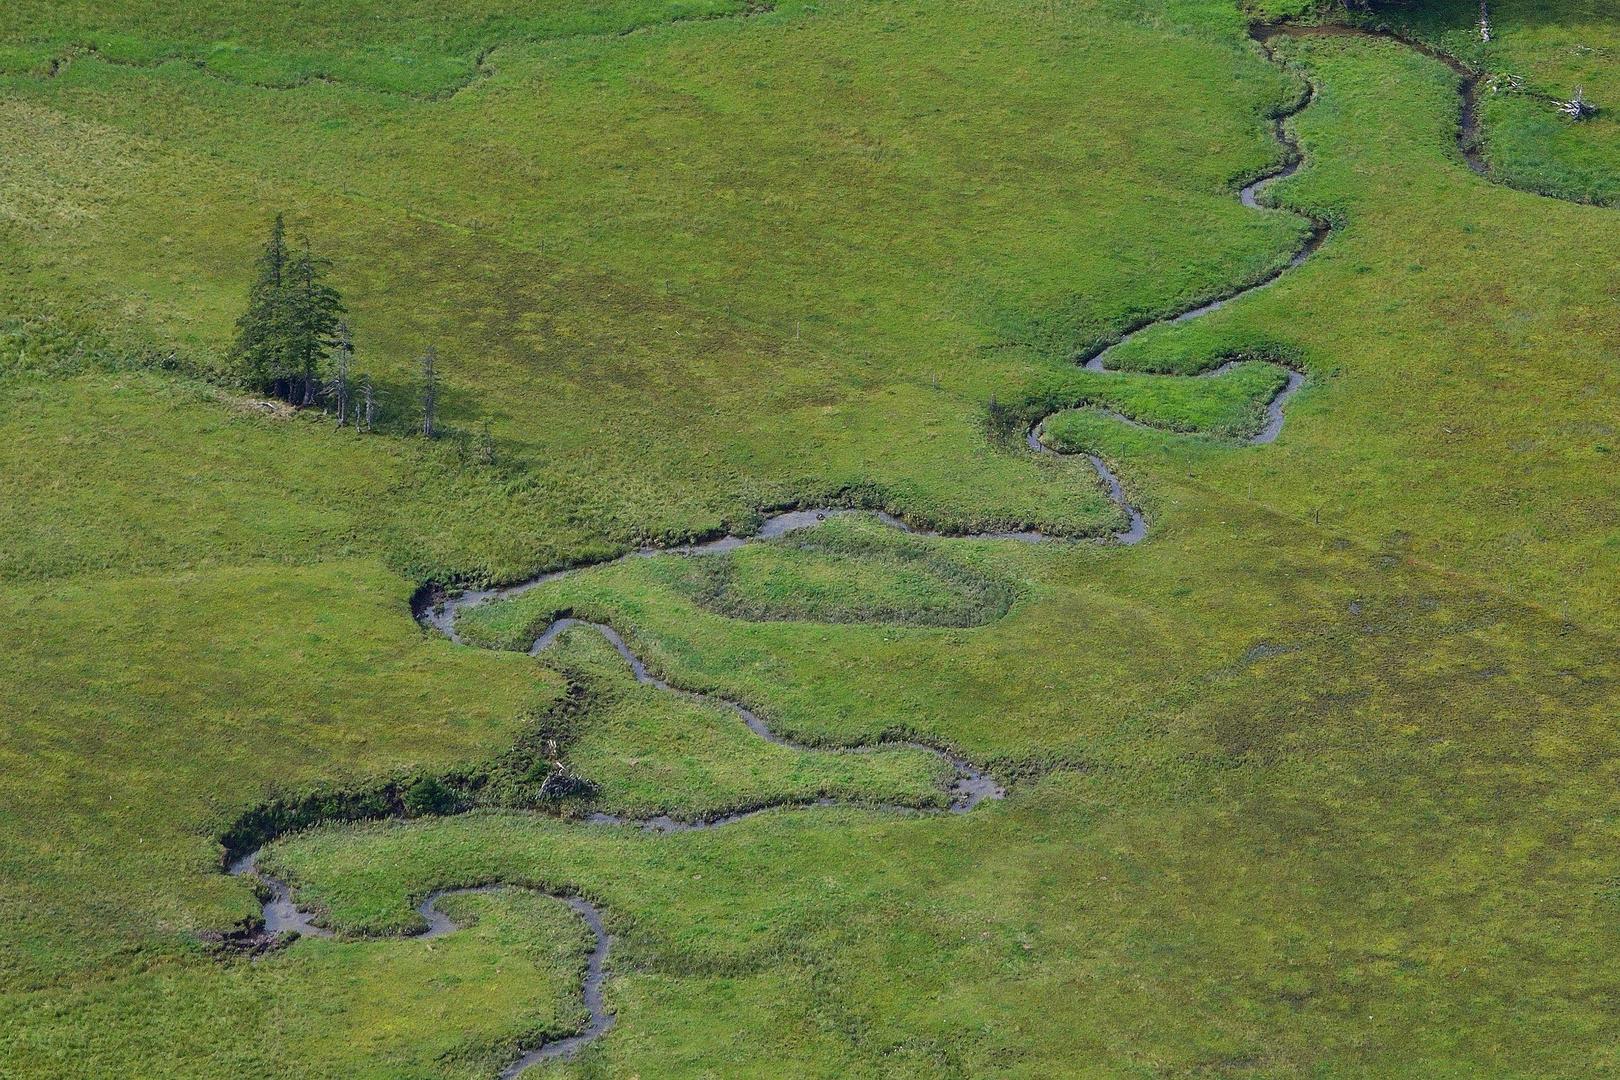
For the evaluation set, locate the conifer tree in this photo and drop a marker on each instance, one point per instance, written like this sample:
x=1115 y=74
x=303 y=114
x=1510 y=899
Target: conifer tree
x=286 y=331
x=262 y=331
x=314 y=307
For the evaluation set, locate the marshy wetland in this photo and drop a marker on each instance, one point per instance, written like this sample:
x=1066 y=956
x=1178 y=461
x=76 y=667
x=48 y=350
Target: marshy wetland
x=988 y=540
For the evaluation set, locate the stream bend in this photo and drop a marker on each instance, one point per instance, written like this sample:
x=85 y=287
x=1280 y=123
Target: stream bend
x=281 y=915
x=972 y=785
x=1320 y=230
x=1467 y=147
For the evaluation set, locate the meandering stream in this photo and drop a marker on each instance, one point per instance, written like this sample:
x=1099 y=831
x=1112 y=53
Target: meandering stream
x=972 y=785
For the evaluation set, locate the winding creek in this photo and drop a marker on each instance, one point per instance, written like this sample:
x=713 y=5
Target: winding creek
x=1467 y=146
x=1320 y=230
x=972 y=785
x=1273 y=426
x=281 y=916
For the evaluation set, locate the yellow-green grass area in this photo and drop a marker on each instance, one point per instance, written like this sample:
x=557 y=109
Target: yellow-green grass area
x=669 y=267
x=1396 y=806
x=144 y=714
x=1540 y=53
x=1366 y=778
x=649 y=752
x=1317 y=779
x=1353 y=809
x=326 y=1008
x=136 y=471
x=211 y=545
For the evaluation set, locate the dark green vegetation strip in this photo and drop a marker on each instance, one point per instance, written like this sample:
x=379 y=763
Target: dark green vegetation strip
x=1345 y=719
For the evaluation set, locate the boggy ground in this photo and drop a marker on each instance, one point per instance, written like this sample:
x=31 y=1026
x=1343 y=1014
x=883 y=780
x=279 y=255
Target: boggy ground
x=1313 y=780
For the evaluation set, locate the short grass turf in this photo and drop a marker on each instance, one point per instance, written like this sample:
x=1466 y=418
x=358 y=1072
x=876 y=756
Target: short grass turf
x=1315 y=780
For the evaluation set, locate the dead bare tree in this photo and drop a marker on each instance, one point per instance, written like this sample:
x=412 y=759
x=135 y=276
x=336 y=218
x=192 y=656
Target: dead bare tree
x=1484 y=23
x=337 y=391
x=370 y=404
x=487 y=450
x=430 y=389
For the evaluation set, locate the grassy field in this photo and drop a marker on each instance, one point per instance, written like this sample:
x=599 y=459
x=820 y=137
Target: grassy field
x=1540 y=53
x=1315 y=781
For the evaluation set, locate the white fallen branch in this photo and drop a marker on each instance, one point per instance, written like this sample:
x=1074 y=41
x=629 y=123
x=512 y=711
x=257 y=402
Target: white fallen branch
x=1577 y=107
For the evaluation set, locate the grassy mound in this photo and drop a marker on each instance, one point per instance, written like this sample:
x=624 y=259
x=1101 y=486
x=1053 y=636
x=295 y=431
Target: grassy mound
x=848 y=569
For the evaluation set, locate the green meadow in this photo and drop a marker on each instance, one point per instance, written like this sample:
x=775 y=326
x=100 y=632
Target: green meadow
x=1314 y=781
x=1540 y=55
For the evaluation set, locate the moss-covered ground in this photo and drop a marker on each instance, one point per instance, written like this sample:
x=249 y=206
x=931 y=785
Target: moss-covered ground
x=1317 y=780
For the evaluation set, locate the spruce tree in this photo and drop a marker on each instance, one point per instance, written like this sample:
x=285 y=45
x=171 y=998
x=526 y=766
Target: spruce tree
x=262 y=332
x=314 y=307
x=286 y=331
